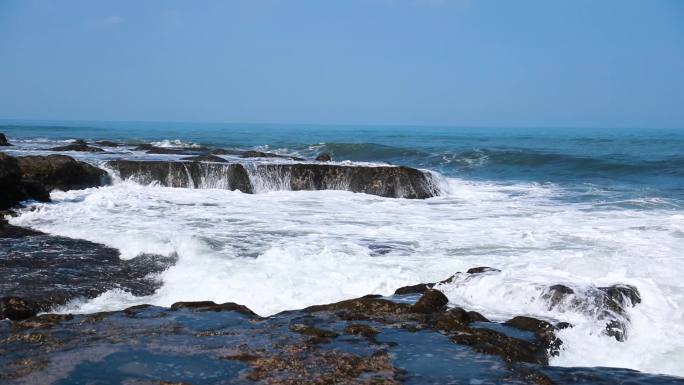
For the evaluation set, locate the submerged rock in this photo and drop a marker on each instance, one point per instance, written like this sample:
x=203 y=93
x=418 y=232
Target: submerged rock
x=77 y=145
x=394 y=182
x=3 y=140
x=61 y=172
x=324 y=157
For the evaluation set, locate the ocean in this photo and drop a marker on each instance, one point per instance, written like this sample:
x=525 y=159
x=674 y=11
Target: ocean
x=578 y=207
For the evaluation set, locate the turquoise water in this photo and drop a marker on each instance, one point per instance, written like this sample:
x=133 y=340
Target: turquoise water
x=624 y=166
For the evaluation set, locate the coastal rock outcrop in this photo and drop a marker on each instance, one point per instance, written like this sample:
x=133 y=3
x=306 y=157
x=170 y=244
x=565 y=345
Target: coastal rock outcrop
x=61 y=172
x=79 y=145
x=14 y=187
x=324 y=157
x=386 y=181
x=3 y=140
x=41 y=271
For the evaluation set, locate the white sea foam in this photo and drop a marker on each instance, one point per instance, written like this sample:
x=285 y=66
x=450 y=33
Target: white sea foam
x=175 y=143
x=285 y=250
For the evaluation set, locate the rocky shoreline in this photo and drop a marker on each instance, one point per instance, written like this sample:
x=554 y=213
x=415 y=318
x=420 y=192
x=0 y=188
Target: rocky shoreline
x=413 y=336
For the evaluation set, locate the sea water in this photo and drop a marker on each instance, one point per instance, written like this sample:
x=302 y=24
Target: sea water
x=578 y=207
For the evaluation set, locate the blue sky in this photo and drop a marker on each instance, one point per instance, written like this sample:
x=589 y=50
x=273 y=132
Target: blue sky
x=434 y=62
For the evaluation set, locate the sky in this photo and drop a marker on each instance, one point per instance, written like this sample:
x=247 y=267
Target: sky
x=547 y=63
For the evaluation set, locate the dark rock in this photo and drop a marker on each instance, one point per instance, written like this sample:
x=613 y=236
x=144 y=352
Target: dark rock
x=488 y=341
x=205 y=158
x=622 y=296
x=212 y=306
x=482 y=269
x=556 y=294
x=324 y=157
x=414 y=289
x=370 y=306
x=530 y=324
x=223 y=151
x=362 y=330
x=151 y=149
x=432 y=301
x=185 y=174
x=108 y=143
x=393 y=182
x=312 y=331
x=61 y=172
x=16 y=308
x=261 y=154
x=77 y=145
x=49 y=271
x=3 y=140
x=14 y=187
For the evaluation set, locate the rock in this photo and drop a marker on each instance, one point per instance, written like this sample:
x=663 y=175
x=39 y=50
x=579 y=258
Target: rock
x=482 y=269
x=212 y=306
x=457 y=319
x=261 y=154
x=511 y=349
x=556 y=293
x=15 y=308
x=391 y=182
x=324 y=157
x=185 y=174
x=108 y=143
x=49 y=271
x=531 y=324
x=14 y=187
x=432 y=301
x=3 y=140
x=151 y=149
x=77 y=145
x=61 y=172
x=366 y=306
x=414 y=289
x=205 y=158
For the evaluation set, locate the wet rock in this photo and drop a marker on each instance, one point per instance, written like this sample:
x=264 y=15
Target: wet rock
x=223 y=151
x=365 y=331
x=205 y=158
x=185 y=174
x=456 y=319
x=15 y=187
x=108 y=143
x=324 y=157
x=393 y=182
x=77 y=145
x=556 y=293
x=261 y=154
x=312 y=331
x=605 y=303
x=3 y=140
x=365 y=306
x=432 y=301
x=482 y=269
x=152 y=149
x=496 y=343
x=212 y=306
x=414 y=289
x=48 y=271
x=531 y=324
x=61 y=172
x=16 y=308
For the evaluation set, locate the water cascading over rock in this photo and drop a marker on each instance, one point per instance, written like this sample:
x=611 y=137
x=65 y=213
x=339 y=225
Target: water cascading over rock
x=385 y=181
